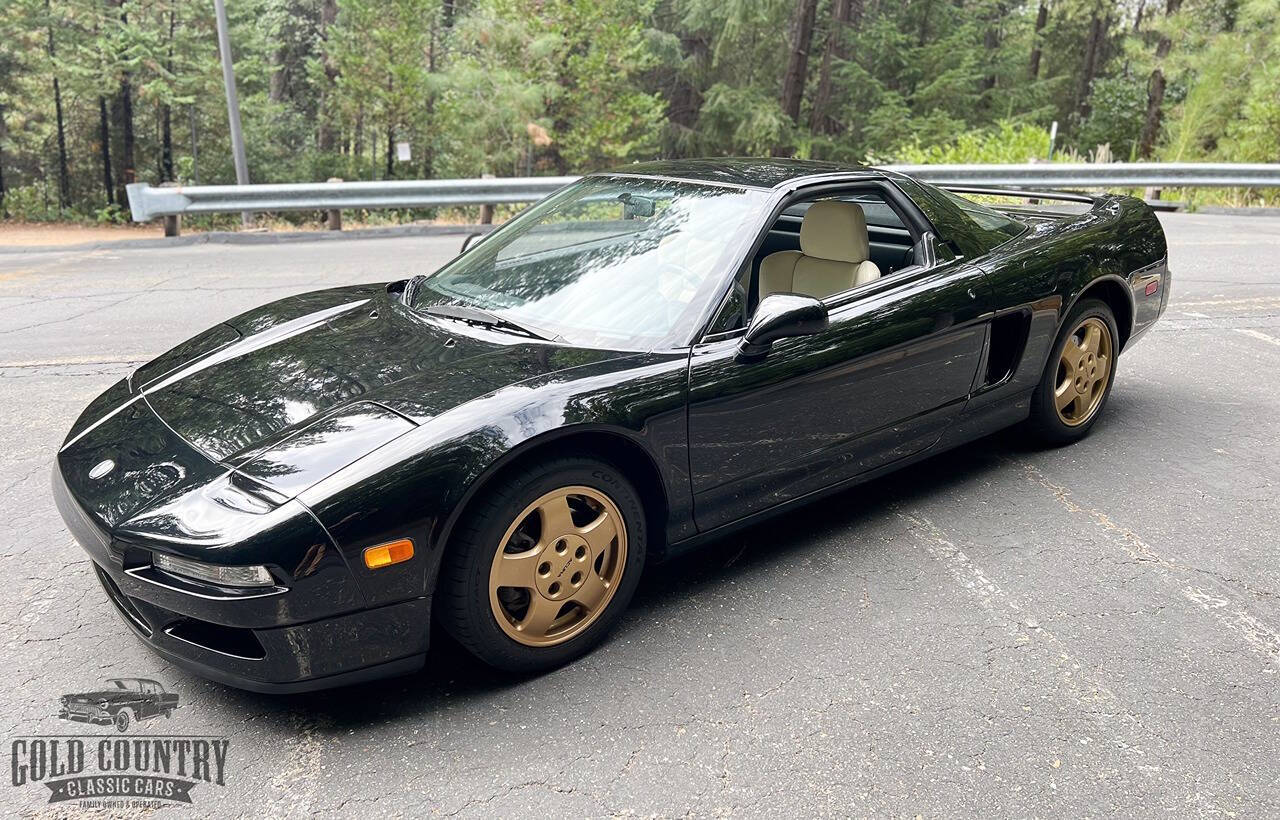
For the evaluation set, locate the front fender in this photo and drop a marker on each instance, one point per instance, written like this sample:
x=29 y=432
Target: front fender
x=417 y=485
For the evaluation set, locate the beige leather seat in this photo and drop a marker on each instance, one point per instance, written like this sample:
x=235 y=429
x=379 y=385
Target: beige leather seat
x=832 y=256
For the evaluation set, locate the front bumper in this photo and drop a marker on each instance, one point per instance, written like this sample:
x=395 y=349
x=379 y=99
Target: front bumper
x=81 y=717
x=263 y=644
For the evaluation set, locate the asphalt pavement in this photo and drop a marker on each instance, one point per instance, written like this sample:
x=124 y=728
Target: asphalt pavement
x=999 y=630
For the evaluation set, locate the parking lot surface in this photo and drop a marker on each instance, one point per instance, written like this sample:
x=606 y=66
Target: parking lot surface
x=1001 y=629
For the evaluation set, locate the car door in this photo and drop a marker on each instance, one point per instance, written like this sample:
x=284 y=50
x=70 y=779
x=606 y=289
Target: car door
x=892 y=369
x=147 y=706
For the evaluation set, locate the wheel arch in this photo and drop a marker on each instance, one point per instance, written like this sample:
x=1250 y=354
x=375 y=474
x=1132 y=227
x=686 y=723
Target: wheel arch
x=615 y=446
x=1114 y=292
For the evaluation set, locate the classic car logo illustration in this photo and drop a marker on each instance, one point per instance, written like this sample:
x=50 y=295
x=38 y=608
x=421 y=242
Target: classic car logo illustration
x=121 y=702
x=106 y=770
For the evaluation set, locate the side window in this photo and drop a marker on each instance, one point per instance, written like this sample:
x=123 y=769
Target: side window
x=733 y=313
x=850 y=237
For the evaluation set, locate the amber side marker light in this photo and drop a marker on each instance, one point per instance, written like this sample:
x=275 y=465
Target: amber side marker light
x=384 y=555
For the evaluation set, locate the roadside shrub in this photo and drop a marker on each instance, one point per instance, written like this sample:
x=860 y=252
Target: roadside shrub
x=31 y=203
x=1008 y=143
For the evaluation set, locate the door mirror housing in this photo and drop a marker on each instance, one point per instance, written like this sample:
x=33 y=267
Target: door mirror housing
x=466 y=243
x=781 y=316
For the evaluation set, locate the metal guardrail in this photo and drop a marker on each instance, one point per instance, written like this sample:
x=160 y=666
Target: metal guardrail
x=147 y=202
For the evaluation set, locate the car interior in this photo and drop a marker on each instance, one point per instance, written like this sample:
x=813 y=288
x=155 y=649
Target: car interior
x=825 y=246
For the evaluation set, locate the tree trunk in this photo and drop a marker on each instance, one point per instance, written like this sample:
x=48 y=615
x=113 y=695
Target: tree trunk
x=325 y=128
x=391 y=151
x=195 y=145
x=104 y=139
x=166 y=144
x=123 y=109
x=125 y=167
x=798 y=66
x=359 y=136
x=3 y=212
x=1037 y=41
x=1090 y=69
x=844 y=13
x=924 y=24
x=429 y=106
x=166 y=116
x=1155 y=91
x=64 y=174
x=990 y=44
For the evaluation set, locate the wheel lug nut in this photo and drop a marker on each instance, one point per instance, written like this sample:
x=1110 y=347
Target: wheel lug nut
x=576 y=579
x=560 y=547
x=544 y=568
x=580 y=553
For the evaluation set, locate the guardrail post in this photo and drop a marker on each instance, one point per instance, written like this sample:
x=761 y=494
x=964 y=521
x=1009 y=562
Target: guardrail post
x=334 y=219
x=486 y=211
x=172 y=222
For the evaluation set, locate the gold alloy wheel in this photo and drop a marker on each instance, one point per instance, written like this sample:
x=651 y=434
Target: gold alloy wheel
x=558 y=566
x=1083 y=372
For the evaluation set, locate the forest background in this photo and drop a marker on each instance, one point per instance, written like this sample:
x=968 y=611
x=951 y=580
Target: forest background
x=95 y=94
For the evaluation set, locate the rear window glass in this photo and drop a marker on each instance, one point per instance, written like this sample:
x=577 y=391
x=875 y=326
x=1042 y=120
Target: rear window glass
x=988 y=219
x=876 y=210
x=973 y=228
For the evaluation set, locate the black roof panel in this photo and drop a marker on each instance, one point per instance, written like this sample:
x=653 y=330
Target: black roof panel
x=757 y=172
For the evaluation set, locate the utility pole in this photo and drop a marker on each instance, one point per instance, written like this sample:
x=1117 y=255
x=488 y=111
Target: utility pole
x=233 y=103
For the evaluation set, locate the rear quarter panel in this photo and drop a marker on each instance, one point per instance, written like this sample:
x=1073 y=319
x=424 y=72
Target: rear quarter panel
x=1047 y=269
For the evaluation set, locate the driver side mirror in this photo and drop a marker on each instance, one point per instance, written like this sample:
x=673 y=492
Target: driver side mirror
x=781 y=316
x=466 y=243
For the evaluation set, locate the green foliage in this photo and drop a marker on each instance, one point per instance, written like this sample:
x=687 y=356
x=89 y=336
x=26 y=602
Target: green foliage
x=1119 y=105
x=1008 y=142
x=513 y=87
x=32 y=203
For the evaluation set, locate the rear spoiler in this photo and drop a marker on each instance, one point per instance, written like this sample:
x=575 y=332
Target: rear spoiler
x=1059 y=196
x=1052 y=196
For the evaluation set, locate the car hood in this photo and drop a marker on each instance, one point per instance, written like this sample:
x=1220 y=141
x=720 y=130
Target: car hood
x=288 y=394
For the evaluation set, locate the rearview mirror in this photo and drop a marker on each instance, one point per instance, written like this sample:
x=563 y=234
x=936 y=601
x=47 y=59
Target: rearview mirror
x=781 y=316
x=634 y=205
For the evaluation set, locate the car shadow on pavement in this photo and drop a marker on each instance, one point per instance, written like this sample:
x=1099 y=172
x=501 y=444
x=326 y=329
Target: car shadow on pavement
x=451 y=674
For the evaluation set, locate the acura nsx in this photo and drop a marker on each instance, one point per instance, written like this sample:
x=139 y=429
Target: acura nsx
x=642 y=361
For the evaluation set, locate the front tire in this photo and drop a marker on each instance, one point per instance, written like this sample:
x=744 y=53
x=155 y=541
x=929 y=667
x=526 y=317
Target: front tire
x=543 y=564
x=121 y=720
x=1078 y=377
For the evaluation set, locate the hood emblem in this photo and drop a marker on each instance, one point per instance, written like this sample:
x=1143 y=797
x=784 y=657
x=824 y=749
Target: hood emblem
x=102 y=468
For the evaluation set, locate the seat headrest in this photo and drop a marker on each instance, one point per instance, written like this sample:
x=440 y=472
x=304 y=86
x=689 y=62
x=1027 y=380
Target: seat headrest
x=834 y=230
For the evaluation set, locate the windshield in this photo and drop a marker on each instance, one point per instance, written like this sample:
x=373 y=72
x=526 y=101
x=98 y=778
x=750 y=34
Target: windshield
x=612 y=262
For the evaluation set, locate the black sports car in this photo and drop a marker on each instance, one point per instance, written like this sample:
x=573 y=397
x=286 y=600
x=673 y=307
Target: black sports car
x=645 y=359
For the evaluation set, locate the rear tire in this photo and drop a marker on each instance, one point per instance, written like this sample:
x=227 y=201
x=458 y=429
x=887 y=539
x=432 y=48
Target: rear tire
x=1078 y=376
x=543 y=564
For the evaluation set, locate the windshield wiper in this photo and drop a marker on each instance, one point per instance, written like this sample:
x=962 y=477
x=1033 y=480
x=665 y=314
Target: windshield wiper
x=485 y=318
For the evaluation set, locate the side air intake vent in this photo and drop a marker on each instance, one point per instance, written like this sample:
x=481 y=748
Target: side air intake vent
x=1008 y=340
